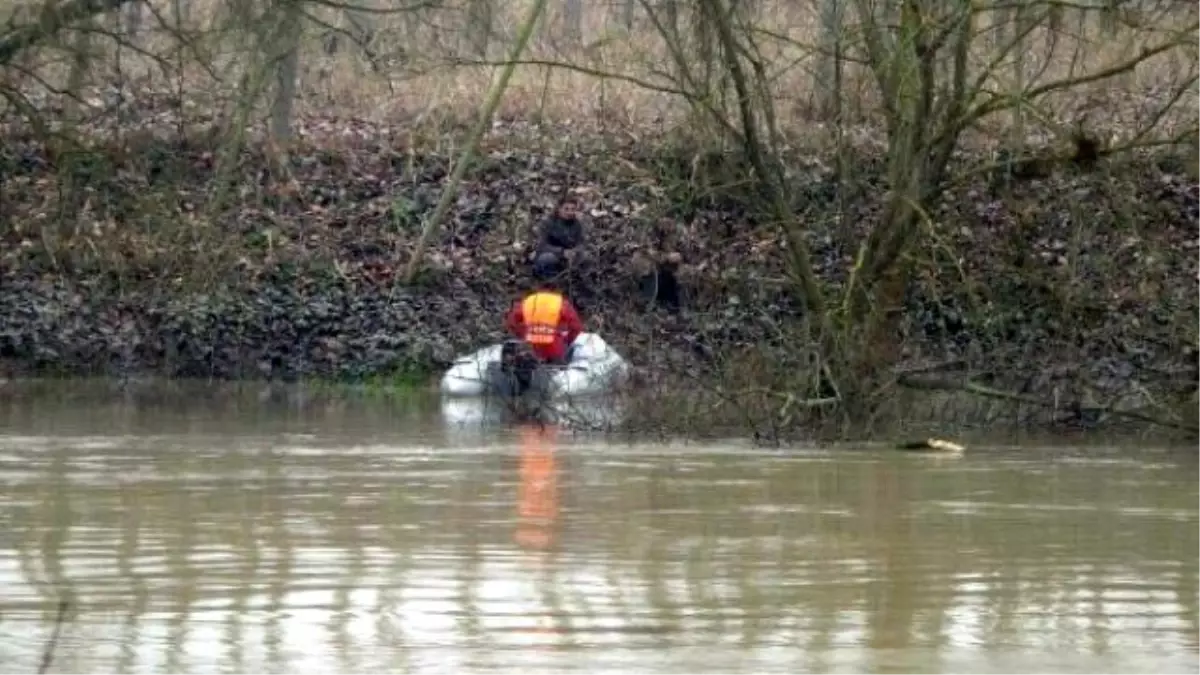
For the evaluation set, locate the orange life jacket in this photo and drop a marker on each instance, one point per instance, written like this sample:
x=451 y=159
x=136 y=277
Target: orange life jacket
x=542 y=311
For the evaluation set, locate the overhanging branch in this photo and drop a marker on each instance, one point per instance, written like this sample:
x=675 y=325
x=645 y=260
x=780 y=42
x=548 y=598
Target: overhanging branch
x=52 y=20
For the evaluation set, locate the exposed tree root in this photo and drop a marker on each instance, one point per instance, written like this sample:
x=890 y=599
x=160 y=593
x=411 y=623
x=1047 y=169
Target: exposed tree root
x=967 y=386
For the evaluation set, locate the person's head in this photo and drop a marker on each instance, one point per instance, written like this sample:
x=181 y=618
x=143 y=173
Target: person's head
x=568 y=208
x=546 y=268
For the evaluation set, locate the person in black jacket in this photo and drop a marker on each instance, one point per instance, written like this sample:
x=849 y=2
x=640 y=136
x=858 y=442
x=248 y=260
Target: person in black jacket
x=561 y=239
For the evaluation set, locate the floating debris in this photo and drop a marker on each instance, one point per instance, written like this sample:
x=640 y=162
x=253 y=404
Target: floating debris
x=932 y=445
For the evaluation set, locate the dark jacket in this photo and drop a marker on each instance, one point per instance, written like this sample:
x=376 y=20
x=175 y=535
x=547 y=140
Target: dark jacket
x=559 y=235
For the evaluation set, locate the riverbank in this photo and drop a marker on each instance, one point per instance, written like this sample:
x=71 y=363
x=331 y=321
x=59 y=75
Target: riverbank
x=1077 y=285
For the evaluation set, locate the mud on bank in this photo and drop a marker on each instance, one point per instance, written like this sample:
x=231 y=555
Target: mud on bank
x=1075 y=280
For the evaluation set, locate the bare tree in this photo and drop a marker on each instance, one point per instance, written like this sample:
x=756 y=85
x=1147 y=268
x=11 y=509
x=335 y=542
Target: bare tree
x=919 y=53
x=286 y=51
x=830 y=58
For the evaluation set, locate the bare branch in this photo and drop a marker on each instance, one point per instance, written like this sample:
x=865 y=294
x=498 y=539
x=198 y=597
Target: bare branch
x=52 y=19
x=998 y=103
x=586 y=70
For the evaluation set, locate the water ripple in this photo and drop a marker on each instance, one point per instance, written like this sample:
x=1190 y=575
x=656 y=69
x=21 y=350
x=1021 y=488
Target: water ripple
x=292 y=552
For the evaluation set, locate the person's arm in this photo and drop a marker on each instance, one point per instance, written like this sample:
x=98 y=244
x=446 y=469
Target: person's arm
x=570 y=234
x=571 y=321
x=514 y=323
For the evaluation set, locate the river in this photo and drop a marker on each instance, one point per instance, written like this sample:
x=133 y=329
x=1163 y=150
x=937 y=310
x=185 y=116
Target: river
x=270 y=531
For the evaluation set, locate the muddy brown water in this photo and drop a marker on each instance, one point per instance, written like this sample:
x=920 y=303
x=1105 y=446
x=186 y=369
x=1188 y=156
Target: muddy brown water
x=270 y=532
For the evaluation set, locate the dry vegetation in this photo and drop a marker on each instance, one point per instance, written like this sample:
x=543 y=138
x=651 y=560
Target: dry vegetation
x=612 y=68
x=902 y=109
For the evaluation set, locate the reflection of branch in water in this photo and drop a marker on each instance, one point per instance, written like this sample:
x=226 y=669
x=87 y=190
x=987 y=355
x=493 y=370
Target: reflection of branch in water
x=179 y=563
x=131 y=540
x=58 y=517
x=1076 y=410
x=469 y=583
x=396 y=537
x=48 y=652
x=1186 y=597
x=343 y=609
x=887 y=514
x=279 y=537
x=701 y=577
x=249 y=544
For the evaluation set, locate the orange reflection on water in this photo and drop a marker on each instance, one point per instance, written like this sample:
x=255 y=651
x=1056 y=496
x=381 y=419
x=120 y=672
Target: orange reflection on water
x=537 y=492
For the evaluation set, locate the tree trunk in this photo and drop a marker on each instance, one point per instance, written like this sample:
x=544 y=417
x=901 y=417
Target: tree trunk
x=830 y=58
x=808 y=287
x=286 y=50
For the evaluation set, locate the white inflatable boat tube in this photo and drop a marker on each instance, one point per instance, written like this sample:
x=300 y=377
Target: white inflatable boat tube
x=594 y=368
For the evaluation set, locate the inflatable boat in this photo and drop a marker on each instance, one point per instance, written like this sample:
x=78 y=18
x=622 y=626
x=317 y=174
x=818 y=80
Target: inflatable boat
x=593 y=367
x=469 y=420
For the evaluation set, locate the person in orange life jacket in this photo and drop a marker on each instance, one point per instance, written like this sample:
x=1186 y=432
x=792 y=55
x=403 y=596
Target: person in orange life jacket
x=546 y=320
